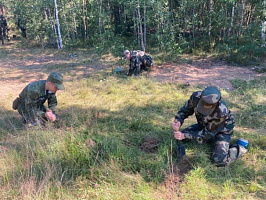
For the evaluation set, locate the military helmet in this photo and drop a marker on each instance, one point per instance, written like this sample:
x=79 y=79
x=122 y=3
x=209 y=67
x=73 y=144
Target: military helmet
x=209 y=98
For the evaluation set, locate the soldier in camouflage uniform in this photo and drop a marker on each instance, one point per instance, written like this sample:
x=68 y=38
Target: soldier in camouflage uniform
x=3 y=28
x=215 y=125
x=138 y=61
x=30 y=103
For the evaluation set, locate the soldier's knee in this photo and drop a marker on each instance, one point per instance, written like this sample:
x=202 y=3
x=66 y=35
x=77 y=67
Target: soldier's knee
x=219 y=159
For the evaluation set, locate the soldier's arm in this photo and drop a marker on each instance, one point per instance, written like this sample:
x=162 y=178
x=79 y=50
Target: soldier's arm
x=207 y=133
x=31 y=105
x=52 y=103
x=223 y=125
x=185 y=111
x=131 y=67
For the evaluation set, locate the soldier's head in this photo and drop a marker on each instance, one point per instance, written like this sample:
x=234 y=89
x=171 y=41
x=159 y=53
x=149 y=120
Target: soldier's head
x=126 y=54
x=209 y=99
x=55 y=82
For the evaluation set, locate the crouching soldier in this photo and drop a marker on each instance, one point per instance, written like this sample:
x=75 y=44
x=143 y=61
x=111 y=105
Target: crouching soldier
x=139 y=60
x=30 y=103
x=215 y=125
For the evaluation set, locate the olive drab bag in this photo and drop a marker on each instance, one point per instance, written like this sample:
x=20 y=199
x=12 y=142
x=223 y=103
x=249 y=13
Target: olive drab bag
x=15 y=103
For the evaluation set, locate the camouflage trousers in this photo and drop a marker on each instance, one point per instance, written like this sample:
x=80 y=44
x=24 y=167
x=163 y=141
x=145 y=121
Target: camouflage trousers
x=223 y=153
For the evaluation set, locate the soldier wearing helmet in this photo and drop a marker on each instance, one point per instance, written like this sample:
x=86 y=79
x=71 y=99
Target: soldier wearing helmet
x=215 y=124
x=139 y=60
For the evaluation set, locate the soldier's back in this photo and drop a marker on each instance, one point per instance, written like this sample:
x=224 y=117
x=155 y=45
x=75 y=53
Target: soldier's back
x=137 y=53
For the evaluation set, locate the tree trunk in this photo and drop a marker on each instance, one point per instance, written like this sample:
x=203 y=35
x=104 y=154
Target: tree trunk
x=210 y=22
x=58 y=26
x=138 y=30
x=193 y=28
x=263 y=26
x=100 y=20
x=249 y=15
x=135 y=24
x=242 y=17
x=75 y=31
x=145 y=28
x=117 y=19
x=55 y=38
x=84 y=11
x=140 y=27
x=232 y=19
x=64 y=15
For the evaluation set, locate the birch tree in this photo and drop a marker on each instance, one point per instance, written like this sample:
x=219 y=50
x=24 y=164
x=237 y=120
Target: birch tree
x=58 y=26
x=263 y=26
x=232 y=19
x=140 y=28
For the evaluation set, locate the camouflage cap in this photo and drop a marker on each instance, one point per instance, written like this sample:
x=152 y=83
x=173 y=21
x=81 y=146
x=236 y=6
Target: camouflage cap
x=125 y=53
x=57 y=79
x=208 y=100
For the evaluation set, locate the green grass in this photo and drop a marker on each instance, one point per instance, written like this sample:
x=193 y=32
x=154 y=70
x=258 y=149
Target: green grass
x=117 y=113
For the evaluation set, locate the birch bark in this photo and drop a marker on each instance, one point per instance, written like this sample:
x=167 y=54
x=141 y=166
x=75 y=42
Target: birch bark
x=58 y=26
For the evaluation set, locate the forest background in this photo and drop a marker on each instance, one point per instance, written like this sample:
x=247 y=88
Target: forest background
x=116 y=140
x=234 y=30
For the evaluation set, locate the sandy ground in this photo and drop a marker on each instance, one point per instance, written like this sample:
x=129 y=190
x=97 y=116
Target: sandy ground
x=204 y=72
x=23 y=66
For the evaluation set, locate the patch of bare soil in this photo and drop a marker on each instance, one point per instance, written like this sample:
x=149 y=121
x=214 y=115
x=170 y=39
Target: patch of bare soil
x=203 y=72
x=149 y=144
x=170 y=187
x=22 y=66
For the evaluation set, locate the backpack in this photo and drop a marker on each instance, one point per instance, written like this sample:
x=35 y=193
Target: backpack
x=147 y=60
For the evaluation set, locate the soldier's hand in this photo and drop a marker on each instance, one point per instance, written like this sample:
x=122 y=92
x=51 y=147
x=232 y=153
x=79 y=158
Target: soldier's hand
x=179 y=135
x=176 y=125
x=50 y=116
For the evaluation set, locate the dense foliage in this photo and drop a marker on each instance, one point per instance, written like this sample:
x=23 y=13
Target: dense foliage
x=185 y=26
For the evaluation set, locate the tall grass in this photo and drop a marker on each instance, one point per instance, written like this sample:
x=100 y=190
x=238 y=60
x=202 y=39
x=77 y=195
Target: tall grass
x=96 y=153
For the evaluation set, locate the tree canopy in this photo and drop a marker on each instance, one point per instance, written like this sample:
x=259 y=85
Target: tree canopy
x=169 y=25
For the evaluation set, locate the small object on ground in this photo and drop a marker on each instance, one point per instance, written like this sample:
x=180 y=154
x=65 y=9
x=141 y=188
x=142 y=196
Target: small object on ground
x=242 y=142
x=118 y=69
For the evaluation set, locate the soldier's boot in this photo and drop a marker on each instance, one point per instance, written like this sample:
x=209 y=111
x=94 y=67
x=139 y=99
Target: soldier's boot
x=237 y=151
x=242 y=146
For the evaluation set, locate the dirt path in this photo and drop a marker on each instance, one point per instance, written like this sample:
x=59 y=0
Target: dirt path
x=204 y=72
x=19 y=66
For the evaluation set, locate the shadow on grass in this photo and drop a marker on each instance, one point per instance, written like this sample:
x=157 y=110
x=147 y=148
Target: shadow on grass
x=63 y=154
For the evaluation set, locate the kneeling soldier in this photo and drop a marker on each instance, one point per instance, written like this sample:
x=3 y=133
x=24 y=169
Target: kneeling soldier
x=139 y=60
x=30 y=103
x=215 y=125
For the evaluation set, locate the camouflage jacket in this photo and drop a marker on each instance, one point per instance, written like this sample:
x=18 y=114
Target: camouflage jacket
x=135 y=59
x=34 y=96
x=220 y=121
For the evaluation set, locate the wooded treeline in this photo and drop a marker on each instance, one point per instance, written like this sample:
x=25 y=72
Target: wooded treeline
x=169 y=25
